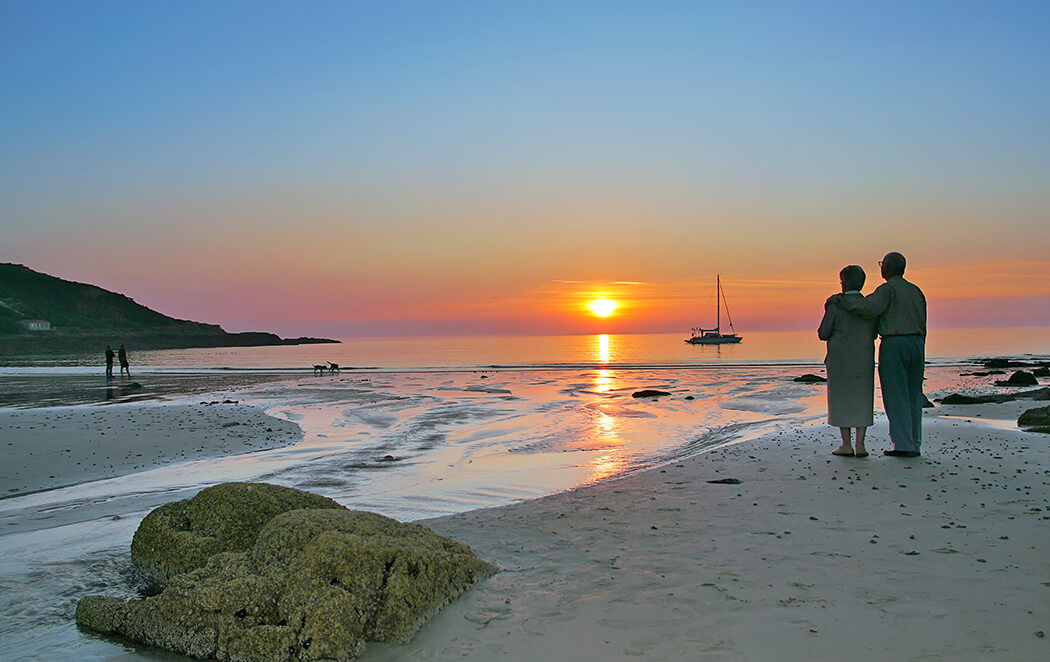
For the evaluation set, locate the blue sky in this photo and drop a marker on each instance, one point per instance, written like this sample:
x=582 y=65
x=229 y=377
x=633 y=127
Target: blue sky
x=367 y=124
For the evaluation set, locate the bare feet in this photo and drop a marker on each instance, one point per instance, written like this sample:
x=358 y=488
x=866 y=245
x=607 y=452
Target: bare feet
x=843 y=450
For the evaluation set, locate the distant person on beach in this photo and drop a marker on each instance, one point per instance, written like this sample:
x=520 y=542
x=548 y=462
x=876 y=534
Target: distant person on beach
x=109 y=361
x=851 y=366
x=122 y=354
x=899 y=307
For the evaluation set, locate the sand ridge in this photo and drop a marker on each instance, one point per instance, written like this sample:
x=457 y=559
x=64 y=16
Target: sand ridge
x=59 y=446
x=808 y=557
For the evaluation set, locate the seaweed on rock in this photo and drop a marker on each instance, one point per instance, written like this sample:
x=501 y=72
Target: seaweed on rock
x=315 y=584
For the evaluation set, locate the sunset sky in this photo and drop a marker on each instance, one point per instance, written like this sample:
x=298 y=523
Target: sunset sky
x=459 y=167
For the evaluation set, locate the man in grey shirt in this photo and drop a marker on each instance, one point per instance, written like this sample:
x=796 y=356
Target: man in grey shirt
x=900 y=308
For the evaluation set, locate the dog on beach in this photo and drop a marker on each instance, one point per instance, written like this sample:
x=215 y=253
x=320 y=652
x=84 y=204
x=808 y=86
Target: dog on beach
x=319 y=369
x=333 y=367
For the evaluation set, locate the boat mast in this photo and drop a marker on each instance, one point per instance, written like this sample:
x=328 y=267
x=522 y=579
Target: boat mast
x=718 y=303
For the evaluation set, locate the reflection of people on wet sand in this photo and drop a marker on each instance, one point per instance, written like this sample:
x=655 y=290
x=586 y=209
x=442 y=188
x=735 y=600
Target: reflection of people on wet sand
x=899 y=307
x=109 y=361
x=122 y=354
x=851 y=366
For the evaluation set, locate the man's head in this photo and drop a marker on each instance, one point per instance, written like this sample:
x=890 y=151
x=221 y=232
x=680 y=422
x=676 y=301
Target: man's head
x=892 y=265
x=852 y=278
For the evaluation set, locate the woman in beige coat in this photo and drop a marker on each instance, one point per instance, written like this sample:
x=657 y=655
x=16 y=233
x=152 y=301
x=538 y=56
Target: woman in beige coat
x=851 y=366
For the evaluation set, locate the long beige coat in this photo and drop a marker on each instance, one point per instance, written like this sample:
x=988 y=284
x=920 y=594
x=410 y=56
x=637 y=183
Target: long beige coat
x=851 y=366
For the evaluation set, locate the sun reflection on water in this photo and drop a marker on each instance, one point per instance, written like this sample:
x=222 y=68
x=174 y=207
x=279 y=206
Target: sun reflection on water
x=609 y=461
x=609 y=464
x=603 y=348
x=603 y=381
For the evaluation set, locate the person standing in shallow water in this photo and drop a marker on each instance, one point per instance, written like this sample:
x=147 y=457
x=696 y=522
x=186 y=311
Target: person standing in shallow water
x=122 y=354
x=900 y=310
x=850 y=364
x=109 y=362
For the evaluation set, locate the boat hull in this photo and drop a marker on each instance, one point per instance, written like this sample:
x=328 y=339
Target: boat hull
x=726 y=339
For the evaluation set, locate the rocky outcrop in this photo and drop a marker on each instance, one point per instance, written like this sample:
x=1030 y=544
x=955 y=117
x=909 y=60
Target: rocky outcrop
x=999 y=363
x=1019 y=378
x=315 y=585
x=181 y=536
x=649 y=393
x=1036 y=420
x=1036 y=394
x=960 y=399
x=809 y=378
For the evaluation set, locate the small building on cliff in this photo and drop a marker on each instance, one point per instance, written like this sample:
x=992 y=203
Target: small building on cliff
x=35 y=325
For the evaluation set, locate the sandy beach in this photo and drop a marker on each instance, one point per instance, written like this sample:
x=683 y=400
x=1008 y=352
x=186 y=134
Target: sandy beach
x=795 y=555
x=59 y=446
x=809 y=557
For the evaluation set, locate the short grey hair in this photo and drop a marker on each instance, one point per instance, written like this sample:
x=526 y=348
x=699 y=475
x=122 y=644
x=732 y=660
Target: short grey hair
x=852 y=277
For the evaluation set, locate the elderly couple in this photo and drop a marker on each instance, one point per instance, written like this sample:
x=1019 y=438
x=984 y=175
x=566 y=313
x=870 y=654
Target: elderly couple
x=896 y=311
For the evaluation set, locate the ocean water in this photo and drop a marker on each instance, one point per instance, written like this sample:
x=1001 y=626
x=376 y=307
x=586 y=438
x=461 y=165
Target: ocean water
x=476 y=352
x=414 y=429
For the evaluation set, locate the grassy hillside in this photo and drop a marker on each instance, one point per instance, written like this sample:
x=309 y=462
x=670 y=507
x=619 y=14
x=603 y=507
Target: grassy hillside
x=69 y=306
x=85 y=317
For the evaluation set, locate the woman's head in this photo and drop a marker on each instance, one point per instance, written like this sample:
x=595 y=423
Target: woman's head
x=852 y=278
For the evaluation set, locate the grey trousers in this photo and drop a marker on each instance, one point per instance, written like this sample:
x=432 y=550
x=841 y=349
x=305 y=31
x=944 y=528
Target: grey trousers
x=902 y=362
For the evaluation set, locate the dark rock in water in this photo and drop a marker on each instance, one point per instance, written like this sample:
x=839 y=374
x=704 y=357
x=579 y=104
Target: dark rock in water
x=181 y=536
x=648 y=393
x=1036 y=394
x=315 y=585
x=960 y=399
x=926 y=404
x=134 y=386
x=1019 y=378
x=1041 y=372
x=689 y=397
x=1004 y=363
x=726 y=481
x=810 y=378
x=1040 y=416
x=982 y=374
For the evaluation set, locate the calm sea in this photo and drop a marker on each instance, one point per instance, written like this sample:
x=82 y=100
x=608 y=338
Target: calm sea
x=609 y=350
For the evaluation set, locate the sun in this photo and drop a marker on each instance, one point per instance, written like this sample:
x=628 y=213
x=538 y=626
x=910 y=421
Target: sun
x=603 y=307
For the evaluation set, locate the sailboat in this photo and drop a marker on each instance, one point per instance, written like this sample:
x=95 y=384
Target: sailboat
x=715 y=336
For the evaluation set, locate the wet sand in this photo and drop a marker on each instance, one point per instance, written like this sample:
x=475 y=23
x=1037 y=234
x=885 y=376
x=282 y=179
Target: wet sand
x=28 y=390
x=59 y=446
x=810 y=556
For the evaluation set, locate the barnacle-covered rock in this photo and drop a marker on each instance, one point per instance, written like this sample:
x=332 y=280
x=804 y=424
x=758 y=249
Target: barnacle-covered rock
x=315 y=584
x=183 y=535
